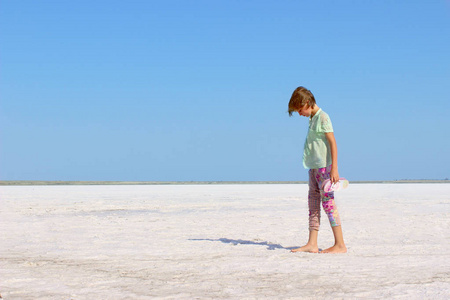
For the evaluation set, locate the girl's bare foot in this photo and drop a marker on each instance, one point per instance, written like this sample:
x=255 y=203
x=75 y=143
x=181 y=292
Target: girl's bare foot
x=336 y=249
x=307 y=248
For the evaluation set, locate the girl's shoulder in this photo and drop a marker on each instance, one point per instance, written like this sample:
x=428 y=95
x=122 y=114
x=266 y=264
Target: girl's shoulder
x=323 y=115
x=323 y=122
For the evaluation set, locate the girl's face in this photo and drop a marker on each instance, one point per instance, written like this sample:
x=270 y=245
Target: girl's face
x=305 y=111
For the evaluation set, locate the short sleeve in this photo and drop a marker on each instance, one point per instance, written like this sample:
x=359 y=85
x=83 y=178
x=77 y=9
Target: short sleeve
x=325 y=123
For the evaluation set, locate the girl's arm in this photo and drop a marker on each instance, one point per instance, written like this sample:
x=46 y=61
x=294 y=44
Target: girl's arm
x=334 y=174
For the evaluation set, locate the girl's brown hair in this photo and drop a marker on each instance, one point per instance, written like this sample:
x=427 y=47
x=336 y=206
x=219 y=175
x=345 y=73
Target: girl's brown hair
x=301 y=97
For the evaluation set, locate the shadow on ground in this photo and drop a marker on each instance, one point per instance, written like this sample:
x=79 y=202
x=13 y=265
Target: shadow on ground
x=269 y=245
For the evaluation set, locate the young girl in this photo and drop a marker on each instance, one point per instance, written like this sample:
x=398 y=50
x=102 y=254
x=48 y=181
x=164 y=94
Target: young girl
x=320 y=157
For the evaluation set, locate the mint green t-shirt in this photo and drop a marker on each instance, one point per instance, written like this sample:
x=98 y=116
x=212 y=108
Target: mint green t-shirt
x=316 y=152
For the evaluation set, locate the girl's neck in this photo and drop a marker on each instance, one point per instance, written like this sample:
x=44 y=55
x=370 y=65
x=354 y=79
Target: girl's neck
x=314 y=110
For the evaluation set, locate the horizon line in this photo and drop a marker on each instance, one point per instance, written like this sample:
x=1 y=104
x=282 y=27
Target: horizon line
x=195 y=182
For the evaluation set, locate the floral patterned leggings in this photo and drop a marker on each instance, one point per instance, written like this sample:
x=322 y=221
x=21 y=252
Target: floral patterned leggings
x=317 y=195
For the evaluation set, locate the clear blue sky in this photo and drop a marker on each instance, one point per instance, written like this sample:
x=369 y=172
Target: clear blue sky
x=198 y=90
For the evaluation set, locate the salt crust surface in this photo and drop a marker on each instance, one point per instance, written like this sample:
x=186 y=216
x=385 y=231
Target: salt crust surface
x=221 y=242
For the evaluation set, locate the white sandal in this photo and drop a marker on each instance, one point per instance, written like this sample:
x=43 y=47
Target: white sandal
x=328 y=186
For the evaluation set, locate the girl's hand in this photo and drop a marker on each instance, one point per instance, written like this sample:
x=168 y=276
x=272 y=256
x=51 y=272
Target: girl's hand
x=334 y=175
